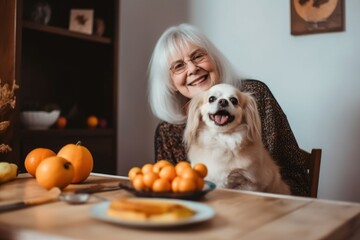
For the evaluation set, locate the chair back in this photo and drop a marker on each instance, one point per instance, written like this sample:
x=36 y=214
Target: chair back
x=313 y=160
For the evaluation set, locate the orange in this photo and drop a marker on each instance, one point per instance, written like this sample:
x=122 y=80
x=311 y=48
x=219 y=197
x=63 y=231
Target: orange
x=187 y=185
x=175 y=184
x=181 y=166
x=168 y=173
x=160 y=164
x=201 y=169
x=161 y=185
x=81 y=158
x=189 y=173
x=54 y=172
x=133 y=172
x=61 y=122
x=34 y=157
x=138 y=182
x=147 y=168
x=200 y=183
x=92 y=121
x=149 y=179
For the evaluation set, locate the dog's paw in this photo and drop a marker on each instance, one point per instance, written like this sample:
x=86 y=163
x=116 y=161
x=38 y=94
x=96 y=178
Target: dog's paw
x=239 y=179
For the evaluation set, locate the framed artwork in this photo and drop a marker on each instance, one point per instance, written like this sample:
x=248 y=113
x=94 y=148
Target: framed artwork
x=81 y=20
x=317 y=16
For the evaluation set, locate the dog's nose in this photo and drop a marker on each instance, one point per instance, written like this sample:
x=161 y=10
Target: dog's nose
x=223 y=102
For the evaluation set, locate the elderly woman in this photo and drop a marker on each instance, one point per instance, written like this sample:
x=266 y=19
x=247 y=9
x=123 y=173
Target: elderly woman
x=184 y=63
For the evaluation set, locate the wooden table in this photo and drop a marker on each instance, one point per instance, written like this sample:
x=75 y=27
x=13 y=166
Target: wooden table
x=238 y=214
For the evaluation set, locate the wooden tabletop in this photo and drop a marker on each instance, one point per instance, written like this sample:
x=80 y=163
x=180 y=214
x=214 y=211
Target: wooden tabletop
x=238 y=214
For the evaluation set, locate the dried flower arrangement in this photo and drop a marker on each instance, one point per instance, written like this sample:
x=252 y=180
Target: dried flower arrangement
x=7 y=102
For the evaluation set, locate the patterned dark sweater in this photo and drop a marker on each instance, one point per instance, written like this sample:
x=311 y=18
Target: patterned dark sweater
x=277 y=136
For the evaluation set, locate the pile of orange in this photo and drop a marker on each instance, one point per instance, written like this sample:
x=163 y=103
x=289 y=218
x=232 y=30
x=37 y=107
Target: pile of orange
x=72 y=164
x=165 y=177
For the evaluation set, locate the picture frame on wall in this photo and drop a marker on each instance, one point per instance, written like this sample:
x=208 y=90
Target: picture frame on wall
x=317 y=16
x=81 y=20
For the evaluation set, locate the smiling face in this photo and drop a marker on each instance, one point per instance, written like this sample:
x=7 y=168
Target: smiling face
x=199 y=71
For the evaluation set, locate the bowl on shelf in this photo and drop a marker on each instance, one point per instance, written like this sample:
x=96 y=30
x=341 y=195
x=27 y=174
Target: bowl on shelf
x=39 y=120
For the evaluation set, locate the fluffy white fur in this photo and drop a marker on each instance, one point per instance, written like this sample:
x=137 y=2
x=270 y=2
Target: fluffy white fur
x=223 y=131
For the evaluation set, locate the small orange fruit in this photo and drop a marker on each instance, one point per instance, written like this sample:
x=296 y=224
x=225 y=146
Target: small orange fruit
x=181 y=166
x=149 y=179
x=138 y=183
x=54 y=172
x=92 y=121
x=168 y=173
x=201 y=169
x=200 y=183
x=34 y=157
x=80 y=157
x=133 y=172
x=61 y=122
x=189 y=173
x=161 y=185
x=187 y=185
x=147 y=168
x=160 y=164
x=175 y=184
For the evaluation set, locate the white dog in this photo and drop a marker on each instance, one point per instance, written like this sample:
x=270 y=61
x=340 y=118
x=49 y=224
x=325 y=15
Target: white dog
x=223 y=131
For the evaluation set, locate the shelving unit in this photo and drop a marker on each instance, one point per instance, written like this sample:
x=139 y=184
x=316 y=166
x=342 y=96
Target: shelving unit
x=65 y=32
x=72 y=70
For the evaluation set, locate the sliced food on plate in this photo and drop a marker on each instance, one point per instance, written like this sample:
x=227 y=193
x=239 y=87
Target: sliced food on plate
x=152 y=212
x=138 y=209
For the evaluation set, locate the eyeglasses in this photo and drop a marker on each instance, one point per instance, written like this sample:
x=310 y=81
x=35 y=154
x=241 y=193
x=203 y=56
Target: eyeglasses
x=180 y=66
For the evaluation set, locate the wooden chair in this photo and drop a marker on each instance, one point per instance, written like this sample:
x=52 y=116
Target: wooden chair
x=313 y=161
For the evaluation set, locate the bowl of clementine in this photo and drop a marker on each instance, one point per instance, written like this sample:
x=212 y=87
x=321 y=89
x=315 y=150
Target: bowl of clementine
x=165 y=180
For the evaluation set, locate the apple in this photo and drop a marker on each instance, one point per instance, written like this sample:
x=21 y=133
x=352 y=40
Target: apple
x=102 y=123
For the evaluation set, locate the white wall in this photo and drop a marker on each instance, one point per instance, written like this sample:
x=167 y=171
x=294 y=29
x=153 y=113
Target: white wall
x=315 y=78
x=141 y=24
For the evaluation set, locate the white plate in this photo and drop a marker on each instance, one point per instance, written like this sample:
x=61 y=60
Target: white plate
x=203 y=213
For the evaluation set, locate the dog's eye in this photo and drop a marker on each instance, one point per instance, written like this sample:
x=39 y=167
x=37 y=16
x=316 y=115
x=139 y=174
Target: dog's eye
x=234 y=101
x=212 y=99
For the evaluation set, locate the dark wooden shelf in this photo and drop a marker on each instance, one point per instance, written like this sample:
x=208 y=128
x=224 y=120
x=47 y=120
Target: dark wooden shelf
x=55 y=65
x=80 y=132
x=64 y=32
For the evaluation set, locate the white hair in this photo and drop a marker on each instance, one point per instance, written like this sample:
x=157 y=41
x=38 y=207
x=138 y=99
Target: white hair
x=166 y=103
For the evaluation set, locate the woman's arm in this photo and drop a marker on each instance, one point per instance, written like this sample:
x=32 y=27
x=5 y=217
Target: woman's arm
x=279 y=139
x=168 y=143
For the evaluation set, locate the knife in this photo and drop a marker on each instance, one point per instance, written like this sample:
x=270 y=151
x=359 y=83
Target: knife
x=98 y=189
x=50 y=196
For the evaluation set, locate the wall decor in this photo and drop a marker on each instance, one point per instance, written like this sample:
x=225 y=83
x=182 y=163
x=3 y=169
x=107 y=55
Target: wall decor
x=81 y=20
x=99 y=26
x=41 y=12
x=317 y=16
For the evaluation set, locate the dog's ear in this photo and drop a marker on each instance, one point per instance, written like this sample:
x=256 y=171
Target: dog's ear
x=194 y=119
x=251 y=117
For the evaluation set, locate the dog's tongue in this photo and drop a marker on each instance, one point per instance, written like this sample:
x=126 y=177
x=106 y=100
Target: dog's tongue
x=221 y=119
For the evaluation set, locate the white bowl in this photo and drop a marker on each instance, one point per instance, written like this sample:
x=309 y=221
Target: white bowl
x=39 y=120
